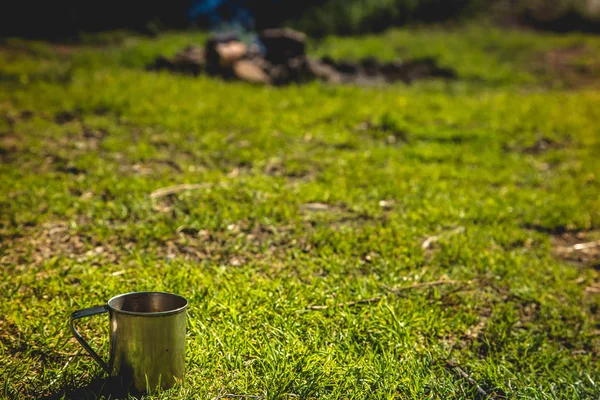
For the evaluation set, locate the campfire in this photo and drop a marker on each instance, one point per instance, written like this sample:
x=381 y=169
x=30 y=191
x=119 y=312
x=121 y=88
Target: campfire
x=279 y=58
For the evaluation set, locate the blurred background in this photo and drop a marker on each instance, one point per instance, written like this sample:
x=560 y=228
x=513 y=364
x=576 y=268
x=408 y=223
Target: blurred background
x=67 y=19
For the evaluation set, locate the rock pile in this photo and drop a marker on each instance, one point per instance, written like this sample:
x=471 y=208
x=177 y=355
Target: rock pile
x=282 y=60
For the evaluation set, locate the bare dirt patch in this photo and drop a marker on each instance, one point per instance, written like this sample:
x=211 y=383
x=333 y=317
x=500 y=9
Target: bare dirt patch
x=42 y=243
x=582 y=248
x=9 y=146
x=573 y=66
x=541 y=145
x=387 y=131
x=34 y=245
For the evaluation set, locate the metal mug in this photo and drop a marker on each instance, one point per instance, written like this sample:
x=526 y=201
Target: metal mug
x=147 y=338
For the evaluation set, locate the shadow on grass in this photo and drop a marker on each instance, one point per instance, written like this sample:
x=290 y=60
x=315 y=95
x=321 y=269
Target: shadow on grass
x=99 y=387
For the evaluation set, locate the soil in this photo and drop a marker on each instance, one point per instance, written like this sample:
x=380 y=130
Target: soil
x=573 y=66
x=582 y=248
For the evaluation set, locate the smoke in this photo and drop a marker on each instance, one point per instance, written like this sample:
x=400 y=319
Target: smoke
x=230 y=17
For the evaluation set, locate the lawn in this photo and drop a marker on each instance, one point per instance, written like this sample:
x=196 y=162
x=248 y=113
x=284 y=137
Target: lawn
x=335 y=242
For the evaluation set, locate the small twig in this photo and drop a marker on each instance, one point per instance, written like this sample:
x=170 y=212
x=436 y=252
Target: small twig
x=421 y=285
x=581 y=246
x=592 y=289
x=162 y=192
x=459 y=370
x=348 y=304
x=218 y=396
x=316 y=207
x=427 y=242
x=432 y=239
x=172 y=164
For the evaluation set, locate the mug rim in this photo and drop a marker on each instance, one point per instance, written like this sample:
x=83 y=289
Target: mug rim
x=147 y=314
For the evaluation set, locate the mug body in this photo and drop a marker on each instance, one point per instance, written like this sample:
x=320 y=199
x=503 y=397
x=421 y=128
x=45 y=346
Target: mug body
x=147 y=339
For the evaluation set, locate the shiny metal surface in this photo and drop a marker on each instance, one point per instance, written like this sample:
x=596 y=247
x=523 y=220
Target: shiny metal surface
x=88 y=312
x=147 y=338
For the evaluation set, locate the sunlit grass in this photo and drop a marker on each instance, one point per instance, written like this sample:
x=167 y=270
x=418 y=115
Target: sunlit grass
x=313 y=195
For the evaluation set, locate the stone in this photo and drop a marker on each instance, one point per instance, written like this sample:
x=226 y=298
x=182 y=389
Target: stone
x=324 y=72
x=281 y=45
x=213 y=56
x=251 y=72
x=189 y=61
x=230 y=52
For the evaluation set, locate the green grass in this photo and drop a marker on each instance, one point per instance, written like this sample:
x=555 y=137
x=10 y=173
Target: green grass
x=87 y=135
x=353 y=17
x=361 y=16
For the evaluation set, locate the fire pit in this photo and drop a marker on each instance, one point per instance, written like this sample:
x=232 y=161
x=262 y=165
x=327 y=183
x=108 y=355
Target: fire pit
x=281 y=59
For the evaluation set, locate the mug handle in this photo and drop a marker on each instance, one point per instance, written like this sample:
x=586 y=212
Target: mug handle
x=88 y=312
